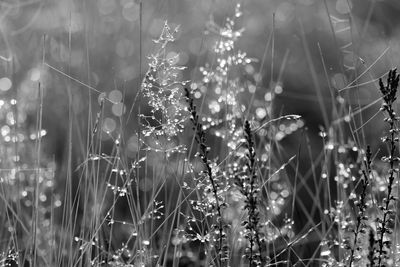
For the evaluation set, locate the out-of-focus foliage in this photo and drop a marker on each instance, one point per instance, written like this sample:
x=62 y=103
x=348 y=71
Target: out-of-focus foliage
x=100 y=44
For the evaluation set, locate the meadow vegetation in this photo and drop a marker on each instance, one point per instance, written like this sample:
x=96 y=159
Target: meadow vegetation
x=204 y=169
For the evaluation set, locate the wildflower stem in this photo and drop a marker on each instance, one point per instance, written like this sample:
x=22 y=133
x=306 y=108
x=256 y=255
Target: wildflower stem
x=361 y=204
x=201 y=140
x=252 y=225
x=371 y=248
x=389 y=95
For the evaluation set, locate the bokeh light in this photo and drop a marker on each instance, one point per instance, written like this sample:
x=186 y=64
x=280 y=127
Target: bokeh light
x=115 y=96
x=130 y=11
x=118 y=109
x=124 y=48
x=106 y=7
x=261 y=113
x=343 y=6
x=339 y=81
x=35 y=75
x=284 y=13
x=5 y=84
x=109 y=125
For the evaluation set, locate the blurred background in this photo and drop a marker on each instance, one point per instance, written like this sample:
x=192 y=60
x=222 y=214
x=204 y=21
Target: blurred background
x=99 y=44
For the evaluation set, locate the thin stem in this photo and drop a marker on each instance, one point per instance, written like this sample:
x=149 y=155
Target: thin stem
x=201 y=140
x=361 y=203
x=389 y=96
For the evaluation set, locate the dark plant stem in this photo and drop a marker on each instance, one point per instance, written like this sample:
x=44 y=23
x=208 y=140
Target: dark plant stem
x=201 y=140
x=252 y=200
x=361 y=203
x=389 y=96
x=371 y=248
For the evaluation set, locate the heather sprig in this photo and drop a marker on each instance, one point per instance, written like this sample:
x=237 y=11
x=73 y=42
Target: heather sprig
x=361 y=204
x=371 y=248
x=250 y=189
x=214 y=183
x=389 y=92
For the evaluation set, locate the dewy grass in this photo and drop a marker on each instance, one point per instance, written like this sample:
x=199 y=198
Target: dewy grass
x=162 y=89
x=149 y=209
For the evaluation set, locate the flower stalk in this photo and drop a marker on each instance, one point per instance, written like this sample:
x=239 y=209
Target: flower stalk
x=200 y=138
x=361 y=203
x=249 y=188
x=389 y=92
